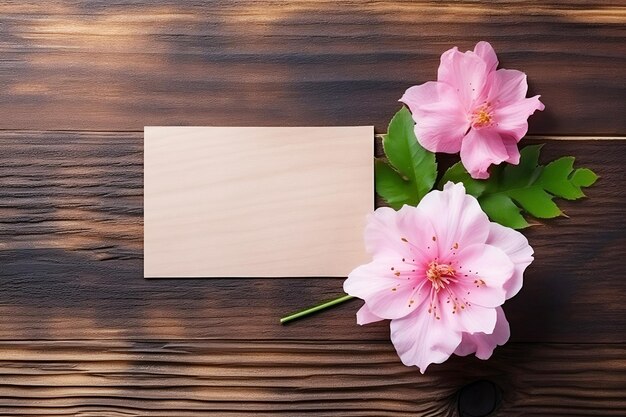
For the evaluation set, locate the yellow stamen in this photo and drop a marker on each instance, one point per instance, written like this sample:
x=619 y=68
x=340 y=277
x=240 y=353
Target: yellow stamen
x=440 y=275
x=482 y=116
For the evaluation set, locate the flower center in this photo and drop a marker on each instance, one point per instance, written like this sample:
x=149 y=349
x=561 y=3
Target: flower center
x=482 y=116
x=440 y=275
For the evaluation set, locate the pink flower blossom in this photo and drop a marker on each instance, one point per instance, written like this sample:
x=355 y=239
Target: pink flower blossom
x=440 y=272
x=473 y=108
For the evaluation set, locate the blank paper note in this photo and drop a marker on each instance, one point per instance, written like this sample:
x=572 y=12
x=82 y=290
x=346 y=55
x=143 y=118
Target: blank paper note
x=256 y=201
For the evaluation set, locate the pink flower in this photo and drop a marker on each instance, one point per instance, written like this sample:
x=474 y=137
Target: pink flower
x=440 y=272
x=473 y=108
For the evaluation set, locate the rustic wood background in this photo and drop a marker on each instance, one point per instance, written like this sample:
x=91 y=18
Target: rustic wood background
x=82 y=333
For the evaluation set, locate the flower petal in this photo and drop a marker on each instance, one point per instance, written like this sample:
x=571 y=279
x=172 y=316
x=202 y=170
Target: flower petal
x=466 y=73
x=451 y=306
x=482 y=272
x=456 y=217
x=511 y=149
x=420 y=339
x=388 y=296
x=421 y=95
x=398 y=234
x=480 y=149
x=365 y=316
x=416 y=234
x=483 y=344
x=513 y=118
x=507 y=87
x=516 y=246
x=440 y=121
x=382 y=237
x=474 y=319
x=485 y=51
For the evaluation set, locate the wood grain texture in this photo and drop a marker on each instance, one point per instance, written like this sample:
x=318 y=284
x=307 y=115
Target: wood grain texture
x=119 y=66
x=71 y=239
x=227 y=378
x=82 y=334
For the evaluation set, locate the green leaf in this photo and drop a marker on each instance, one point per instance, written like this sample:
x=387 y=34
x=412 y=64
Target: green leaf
x=555 y=179
x=584 y=177
x=457 y=173
x=525 y=188
x=411 y=170
x=501 y=209
x=535 y=201
x=390 y=186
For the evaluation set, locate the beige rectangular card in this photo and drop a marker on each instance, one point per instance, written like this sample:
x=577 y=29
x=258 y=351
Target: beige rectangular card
x=256 y=201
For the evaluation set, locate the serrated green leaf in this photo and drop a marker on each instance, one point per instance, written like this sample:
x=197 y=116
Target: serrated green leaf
x=584 y=177
x=457 y=173
x=535 y=201
x=528 y=186
x=555 y=179
x=413 y=164
x=501 y=209
x=392 y=187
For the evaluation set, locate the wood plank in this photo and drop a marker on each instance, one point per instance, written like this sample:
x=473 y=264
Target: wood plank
x=96 y=65
x=227 y=378
x=71 y=257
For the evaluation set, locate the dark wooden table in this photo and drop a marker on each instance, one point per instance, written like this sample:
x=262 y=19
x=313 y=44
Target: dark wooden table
x=82 y=333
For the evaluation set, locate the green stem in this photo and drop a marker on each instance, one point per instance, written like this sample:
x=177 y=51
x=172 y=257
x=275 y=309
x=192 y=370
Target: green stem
x=319 y=307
